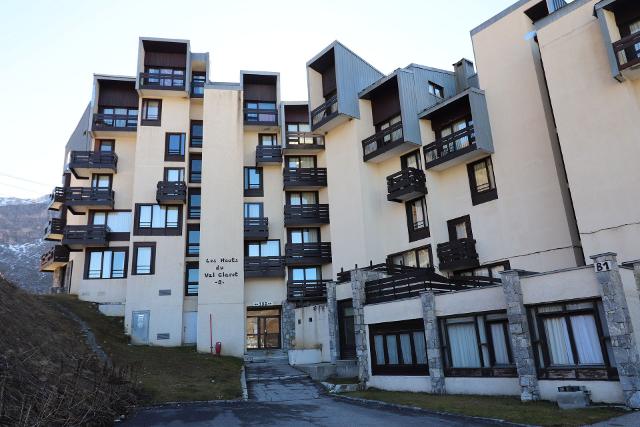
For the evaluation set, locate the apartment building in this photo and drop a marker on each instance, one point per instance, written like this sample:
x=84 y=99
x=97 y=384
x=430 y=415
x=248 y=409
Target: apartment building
x=430 y=230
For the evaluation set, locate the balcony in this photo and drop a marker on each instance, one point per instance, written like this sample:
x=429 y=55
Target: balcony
x=408 y=184
x=54 y=229
x=308 y=215
x=306 y=290
x=627 y=52
x=616 y=19
x=449 y=147
x=171 y=192
x=260 y=116
x=56 y=199
x=304 y=143
x=54 y=258
x=79 y=236
x=324 y=113
x=84 y=163
x=257 y=266
x=256 y=228
x=161 y=81
x=307 y=253
x=115 y=122
x=458 y=255
x=304 y=178
x=268 y=155
x=88 y=198
x=382 y=142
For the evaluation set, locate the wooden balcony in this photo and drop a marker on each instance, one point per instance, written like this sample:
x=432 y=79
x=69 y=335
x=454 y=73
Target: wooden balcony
x=627 y=52
x=308 y=253
x=307 y=290
x=304 y=178
x=54 y=229
x=256 y=228
x=157 y=81
x=324 y=113
x=450 y=147
x=84 y=198
x=171 y=192
x=84 y=163
x=56 y=199
x=408 y=184
x=303 y=143
x=80 y=236
x=307 y=215
x=260 y=117
x=458 y=255
x=383 y=142
x=257 y=266
x=115 y=122
x=54 y=258
x=268 y=155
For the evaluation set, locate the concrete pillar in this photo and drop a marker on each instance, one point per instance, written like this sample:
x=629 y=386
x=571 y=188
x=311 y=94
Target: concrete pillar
x=616 y=312
x=332 y=314
x=520 y=336
x=434 y=353
x=288 y=325
x=358 y=280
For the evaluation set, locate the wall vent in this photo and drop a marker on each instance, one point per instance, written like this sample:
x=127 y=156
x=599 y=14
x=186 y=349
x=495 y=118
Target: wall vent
x=164 y=336
x=164 y=292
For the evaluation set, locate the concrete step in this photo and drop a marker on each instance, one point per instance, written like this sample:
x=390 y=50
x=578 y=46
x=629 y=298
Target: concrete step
x=272 y=356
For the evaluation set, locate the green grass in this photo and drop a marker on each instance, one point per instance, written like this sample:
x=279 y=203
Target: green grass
x=164 y=374
x=498 y=407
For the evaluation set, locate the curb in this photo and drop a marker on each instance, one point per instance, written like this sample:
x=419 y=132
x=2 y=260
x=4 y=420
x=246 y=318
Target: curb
x=280 y=378
x=243 y=384
x=428 y=411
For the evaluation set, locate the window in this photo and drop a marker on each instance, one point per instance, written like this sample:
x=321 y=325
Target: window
x=166 y=77
x=267 y=248
x=192 y=278
x=474 y=345
x=490 y=270
x=460 y=228
x=253 y=182
x=195 y=136
x=101 y=180
x=419 y=257
x=299 y=198
x=268 y=139
x=174 y=174
x=106 y=263
x=105 y=145
x=253 y=210
x=151 y=112
x=398 y=348
x=436 y=90
x=482 y=181
x=118 y=222
x=198 y=79
x=297 y=162
x=304 y=235
x=144 y=258
x=157 y=220
x=417 y=221
x=260 y=112
x=454 y=137
x=305 y=273
x=300 y=134
x=118 y=117
x=193 y=239
x=570 y=340
x=411 y=160
x=393 y=136
x=174 y=147
x=194 y=203
x=195 y=168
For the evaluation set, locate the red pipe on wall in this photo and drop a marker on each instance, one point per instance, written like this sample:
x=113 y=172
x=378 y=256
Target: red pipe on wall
x=210 y=334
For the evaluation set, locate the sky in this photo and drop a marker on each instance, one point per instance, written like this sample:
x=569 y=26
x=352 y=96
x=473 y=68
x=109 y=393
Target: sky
x=50 y=50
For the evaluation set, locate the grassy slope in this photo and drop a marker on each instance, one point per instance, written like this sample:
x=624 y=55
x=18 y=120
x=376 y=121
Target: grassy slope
x=505 y=408
x=166 y=374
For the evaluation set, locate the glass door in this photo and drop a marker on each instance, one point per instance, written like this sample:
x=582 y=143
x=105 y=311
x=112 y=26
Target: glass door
x=263 y=329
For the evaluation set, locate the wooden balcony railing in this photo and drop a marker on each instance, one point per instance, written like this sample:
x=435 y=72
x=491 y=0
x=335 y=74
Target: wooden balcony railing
x=88 y=196
x=382 y=141
x=56 y=198
x=449 y=147
x=268 y=154
x=85 y=235
x=304 y=141
x=123 y=122
x=174 y=192
x=257 y=266
x=627 y=51
x=162 y=81
x=93 y=160
x=408 y=184
x=256 y=228
x=458 y=254
x=307 y=290
x=57 y=254
x=304 y=177
x=325 y=112
x=315 y=214
x=260 y=116
x=307 y=253
x=55 y=227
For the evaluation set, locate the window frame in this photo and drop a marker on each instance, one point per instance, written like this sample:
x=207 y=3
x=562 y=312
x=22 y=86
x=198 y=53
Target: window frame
x=87 y=262
x=134 y=262
x=196 y=179
x=151 y=231
x=144 y=121
x=259 y=243
x=253 y=192
x=113 y=236
x=451 y=227
x=262 y=135
x=193 y=144
x=190 y=207
x=288 y=194
x=97 y=176
x=417 y=255
x=165 y=174
x=396 y=329
x=171 y=157
x=99 y=143
x=188 y=265
x=479 y=197
x=434 y=88
x=415 y=154
x=506 y=265
x=301 y=229
x=417 y=233
x=261 y=209
x=304 y=268
x=299 y=157
x=189 y=246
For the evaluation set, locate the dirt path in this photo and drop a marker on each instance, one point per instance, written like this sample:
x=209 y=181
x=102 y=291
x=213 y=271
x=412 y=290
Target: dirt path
x=88 y=334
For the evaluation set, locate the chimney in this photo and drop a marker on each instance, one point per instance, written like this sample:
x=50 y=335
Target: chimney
x=463 y=70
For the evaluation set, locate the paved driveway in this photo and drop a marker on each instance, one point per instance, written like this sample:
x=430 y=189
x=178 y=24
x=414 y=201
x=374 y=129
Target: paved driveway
x=282 y=396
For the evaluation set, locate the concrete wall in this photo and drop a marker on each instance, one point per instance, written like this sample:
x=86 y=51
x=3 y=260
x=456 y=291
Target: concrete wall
x=312 y=329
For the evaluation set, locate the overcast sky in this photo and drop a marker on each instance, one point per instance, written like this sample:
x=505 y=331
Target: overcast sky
x=50 y=49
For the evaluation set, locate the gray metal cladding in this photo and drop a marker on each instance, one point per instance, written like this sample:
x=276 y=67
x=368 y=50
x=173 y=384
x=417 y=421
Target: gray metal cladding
x=480 y=115
x=424 y=75
x=353 y=74
x=409 y=106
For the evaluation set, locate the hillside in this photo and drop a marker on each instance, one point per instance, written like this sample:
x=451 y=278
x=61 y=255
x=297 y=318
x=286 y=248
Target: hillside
x=22 y=224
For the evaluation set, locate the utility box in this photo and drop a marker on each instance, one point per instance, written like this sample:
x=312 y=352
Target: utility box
x=573 y=397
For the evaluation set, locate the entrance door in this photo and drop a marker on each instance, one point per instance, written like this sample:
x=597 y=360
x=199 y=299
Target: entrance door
x=263 y=328
x=347 y=330
x=190 y=327
x=140 y=327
